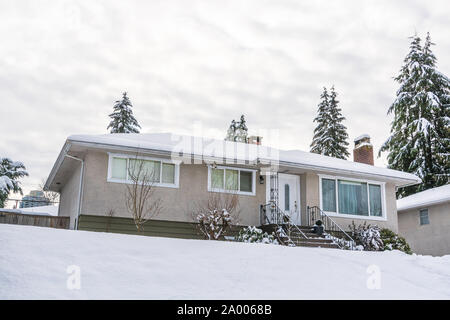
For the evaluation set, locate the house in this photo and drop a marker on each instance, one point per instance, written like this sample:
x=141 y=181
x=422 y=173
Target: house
x=424 y=221
x=91 y=174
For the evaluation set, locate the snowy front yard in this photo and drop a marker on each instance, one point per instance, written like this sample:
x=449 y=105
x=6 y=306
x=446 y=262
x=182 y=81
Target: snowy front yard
x=38 y=263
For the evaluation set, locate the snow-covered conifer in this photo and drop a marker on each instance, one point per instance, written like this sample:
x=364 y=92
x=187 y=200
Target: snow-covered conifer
x=419 y=141
x=10 y=172
x=237 y=131
x=123 y=120
x=330 y=135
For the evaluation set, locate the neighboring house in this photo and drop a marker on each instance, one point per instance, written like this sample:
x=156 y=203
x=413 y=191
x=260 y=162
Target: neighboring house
x=91 y=175
x=424 y=221
x=36 y=198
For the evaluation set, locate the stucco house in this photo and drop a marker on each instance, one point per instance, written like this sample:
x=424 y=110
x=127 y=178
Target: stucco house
x=424 y=221
x=91 y=175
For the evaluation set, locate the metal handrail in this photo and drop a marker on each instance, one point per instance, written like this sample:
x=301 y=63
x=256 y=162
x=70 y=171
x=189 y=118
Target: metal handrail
x=330 y=225
x=280 y=214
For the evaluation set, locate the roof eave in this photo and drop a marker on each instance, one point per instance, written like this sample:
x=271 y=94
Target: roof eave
x=57 y=164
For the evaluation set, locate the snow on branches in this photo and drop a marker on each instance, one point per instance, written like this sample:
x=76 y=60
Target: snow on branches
x=330 y=135
x=237 y=131
x=123 y=120
x=420 y=139
x=10 y=172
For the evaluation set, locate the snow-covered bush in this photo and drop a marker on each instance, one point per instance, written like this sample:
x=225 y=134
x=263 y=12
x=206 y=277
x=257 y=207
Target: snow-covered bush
x=393 y=241
x=368 y=236
x=214 y=223
x=10 y=173
x=254 y=235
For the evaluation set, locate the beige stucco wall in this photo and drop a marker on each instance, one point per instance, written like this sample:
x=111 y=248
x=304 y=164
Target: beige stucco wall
x=432 y=239
x=68 y=206
x=99 y=196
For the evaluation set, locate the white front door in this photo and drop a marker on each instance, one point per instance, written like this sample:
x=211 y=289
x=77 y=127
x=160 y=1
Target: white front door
x=289 y=196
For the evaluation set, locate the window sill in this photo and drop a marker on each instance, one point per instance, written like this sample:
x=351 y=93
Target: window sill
x=162 y=185
x=354 y=216
x=240 y=193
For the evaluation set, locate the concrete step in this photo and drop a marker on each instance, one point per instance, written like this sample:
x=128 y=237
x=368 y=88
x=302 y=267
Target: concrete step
x=312 y=240
x=317 y=245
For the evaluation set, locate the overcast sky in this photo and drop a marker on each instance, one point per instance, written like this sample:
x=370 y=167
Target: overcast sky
x=200 y=64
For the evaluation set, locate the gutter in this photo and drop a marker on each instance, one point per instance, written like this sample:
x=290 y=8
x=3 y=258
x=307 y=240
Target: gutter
x=80 y=189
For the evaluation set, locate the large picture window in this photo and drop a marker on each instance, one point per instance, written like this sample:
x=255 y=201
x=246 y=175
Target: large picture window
x=349 y=197
x=231 y=180
x=161 y=172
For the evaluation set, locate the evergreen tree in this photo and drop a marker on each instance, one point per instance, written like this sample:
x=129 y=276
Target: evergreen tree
x=123 y=120
x=242 y=131
x=419 y=141
x=330 y=135
x=231 y=133
x=237 y=131
x=10 y=172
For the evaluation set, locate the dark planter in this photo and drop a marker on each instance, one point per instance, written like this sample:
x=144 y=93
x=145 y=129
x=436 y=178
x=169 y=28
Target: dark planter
x=318 y=230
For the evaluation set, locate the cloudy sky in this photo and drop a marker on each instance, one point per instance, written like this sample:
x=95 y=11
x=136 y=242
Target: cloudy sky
x=199 y=64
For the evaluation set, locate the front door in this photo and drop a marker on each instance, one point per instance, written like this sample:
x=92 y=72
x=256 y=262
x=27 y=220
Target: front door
x=289 y=196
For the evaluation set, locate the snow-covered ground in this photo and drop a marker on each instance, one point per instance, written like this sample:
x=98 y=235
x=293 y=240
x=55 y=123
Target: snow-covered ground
x=34 y=264
x=50 y=210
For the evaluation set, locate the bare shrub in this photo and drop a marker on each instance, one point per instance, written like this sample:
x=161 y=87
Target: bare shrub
x=141 y=200
x=216 y=214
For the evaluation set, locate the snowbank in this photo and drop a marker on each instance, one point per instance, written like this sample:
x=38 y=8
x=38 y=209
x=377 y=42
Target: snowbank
x=40 y=211
x=425 y=198
x=34 y=264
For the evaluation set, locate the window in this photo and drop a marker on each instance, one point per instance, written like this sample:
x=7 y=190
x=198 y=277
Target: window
x=424 y=217
x=329 y=195
x=119 y=168
x=350 y=197
x=286 y=197
x=375 y=200
x=232 y=180
x=168 y=173
x=160 y=172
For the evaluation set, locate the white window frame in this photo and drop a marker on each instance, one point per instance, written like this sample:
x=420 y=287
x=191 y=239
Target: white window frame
x=354 y=216
x=253 y=171
x=128 y=157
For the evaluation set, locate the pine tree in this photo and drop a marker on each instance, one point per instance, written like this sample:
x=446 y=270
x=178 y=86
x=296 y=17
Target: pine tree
x=330 y=135
x=242 y=131
x=320 y=143
x=237 y=131
x=231 y=133
x=123 y=120
x=10 y=172
x=419 y=141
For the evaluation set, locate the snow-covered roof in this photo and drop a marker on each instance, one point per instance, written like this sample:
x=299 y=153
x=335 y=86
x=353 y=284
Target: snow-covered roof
x=40 y=211
x=210 y=149
x=425 y=198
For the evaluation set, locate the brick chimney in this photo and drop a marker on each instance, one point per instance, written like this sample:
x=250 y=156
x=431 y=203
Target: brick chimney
x=255 y=140
x=363 y=151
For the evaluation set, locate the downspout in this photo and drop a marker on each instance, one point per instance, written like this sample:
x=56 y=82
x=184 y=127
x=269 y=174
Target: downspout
x=80 y=190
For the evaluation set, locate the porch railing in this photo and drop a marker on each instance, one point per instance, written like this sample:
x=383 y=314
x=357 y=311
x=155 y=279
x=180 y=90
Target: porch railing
x=270 y=213
x=333 y=230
